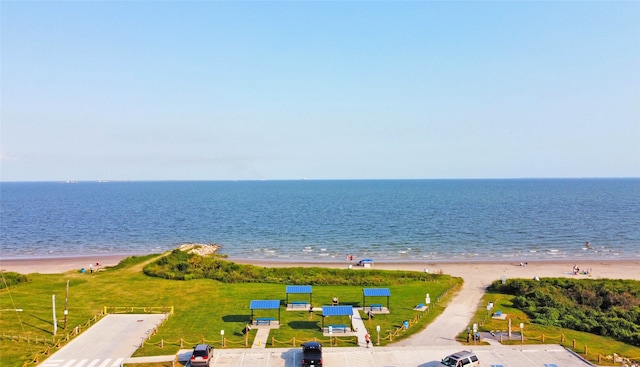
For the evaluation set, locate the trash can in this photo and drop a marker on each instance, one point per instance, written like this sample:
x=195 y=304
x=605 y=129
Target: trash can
x=406 y=325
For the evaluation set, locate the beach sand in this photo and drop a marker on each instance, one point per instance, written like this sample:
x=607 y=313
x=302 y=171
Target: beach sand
x=483 y=272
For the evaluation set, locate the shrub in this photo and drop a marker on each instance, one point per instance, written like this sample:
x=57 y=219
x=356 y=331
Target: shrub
x=12 y=278
x=604 y=307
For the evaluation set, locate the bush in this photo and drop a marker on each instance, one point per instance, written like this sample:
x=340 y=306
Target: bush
x=180 y=265
x=12 y=278
x=605 y=307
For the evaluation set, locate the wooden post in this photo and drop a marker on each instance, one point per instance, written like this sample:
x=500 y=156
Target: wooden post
x=543 y=337
x=561 y=338
x=161 y=343
x=574 y=344
x=181 y=342
x=585 y=350
x=294 y=341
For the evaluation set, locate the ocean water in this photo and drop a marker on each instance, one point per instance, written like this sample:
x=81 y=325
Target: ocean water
x=399 y=220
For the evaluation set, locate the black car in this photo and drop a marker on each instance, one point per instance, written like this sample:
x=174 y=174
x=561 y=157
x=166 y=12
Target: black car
x=201 y=356
x=311 y=354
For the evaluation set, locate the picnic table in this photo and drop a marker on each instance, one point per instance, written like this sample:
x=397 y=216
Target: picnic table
x=264 y=320
x=298 y=304
x=337 y=327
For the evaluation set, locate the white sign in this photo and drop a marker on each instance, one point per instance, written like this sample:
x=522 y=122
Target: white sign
x=221 y=332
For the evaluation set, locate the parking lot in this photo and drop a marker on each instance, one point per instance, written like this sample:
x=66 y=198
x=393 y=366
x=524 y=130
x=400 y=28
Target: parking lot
x=112 y=341
x=495 y=356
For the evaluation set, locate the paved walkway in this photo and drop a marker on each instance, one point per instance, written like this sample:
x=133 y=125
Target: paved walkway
x=261 y=339
x=360 y=327
x=455 y=318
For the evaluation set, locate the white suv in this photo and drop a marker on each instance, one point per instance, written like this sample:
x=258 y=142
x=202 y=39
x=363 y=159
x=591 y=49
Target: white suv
x=463 y=358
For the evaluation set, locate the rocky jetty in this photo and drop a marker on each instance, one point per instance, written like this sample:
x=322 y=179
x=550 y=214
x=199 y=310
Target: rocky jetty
x=202 y=249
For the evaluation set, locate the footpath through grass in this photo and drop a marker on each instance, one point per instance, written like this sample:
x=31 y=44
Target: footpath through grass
x=203 y=307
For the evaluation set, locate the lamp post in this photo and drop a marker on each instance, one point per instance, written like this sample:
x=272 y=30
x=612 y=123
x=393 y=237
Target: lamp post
x=378 y=330
x=522 y=332
x=222 y=335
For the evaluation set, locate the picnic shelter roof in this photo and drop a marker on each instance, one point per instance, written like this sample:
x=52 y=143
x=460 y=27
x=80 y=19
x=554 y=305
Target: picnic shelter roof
x=298 y=289
x=337 y=311
x=376 y=292
x=267 y=304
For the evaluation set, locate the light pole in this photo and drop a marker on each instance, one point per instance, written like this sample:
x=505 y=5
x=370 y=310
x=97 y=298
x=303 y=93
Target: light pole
x=55 y=321
x=222 y=334
x=378 y=330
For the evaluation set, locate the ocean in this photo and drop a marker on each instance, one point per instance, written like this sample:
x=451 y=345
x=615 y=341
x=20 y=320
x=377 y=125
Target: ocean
x=314 y=220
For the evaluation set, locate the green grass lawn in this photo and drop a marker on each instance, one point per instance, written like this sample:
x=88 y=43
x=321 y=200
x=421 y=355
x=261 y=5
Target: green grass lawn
x=202 y=307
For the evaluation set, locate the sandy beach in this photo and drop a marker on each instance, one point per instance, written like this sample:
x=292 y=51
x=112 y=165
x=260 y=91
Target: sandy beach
x=482 y=272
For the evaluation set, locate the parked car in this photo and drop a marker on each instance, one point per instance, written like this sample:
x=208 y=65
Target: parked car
x=463 y=358
x=311 y=354
x=202 y=355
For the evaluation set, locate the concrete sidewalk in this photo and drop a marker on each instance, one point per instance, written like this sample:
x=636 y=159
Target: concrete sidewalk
x=261 y=339
x=359 y=327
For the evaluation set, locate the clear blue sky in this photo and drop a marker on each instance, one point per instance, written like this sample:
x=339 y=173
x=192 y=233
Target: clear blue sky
x=203 y=90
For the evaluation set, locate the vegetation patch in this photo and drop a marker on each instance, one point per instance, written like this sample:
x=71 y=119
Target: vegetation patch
x=603 y=307
x=181 y=265
x=12 y=278
x=130 y=261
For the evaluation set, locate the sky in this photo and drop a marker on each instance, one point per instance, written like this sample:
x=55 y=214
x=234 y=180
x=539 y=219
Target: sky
x=240 y=90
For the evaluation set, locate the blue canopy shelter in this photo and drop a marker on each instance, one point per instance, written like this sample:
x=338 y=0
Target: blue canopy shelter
x=337 y=311
x=299 y=289
x=375 y=292
x=269 y=304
